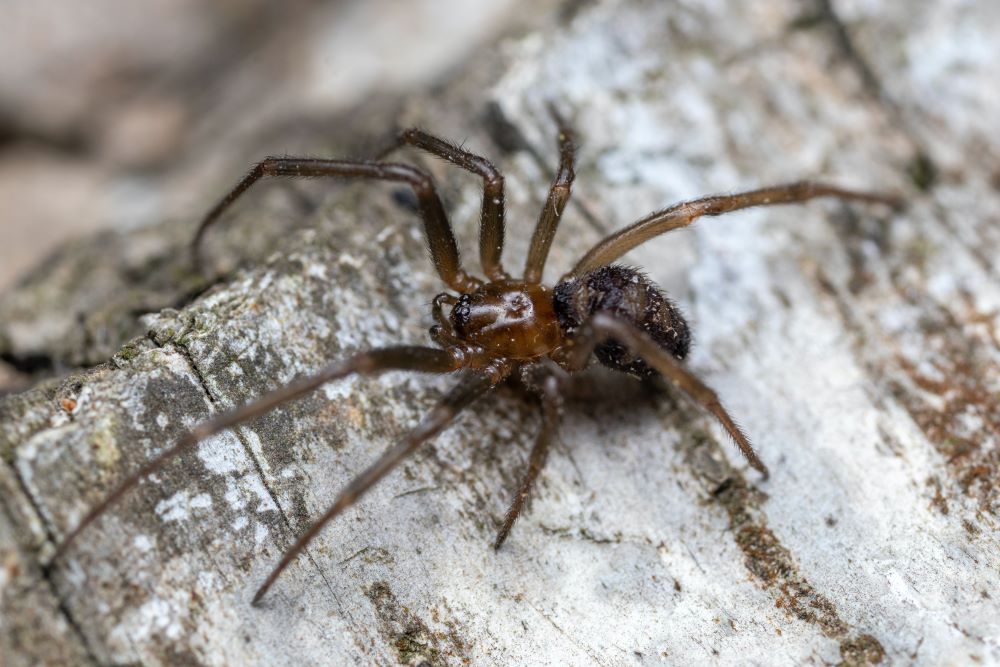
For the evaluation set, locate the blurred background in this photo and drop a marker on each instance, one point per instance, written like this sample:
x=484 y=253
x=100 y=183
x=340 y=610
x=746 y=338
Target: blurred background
x=117 y=113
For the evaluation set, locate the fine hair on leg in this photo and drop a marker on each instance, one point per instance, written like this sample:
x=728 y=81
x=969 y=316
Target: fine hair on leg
x=555 y=203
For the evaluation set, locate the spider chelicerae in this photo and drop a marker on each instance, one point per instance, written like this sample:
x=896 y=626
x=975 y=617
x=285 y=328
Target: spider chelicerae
x=504 y=325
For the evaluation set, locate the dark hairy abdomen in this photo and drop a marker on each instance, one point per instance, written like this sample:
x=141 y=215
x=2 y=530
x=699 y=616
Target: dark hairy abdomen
x=626 y=293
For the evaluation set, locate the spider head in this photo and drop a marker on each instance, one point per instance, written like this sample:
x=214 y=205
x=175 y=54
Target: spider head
x=508 y=318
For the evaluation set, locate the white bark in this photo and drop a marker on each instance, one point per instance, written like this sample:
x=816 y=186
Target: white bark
x=857 y=347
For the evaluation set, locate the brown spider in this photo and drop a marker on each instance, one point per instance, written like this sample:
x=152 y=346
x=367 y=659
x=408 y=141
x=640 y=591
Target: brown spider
x=504 y=325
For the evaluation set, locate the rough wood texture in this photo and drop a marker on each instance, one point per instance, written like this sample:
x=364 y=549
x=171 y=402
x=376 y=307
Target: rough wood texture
x=858 y=347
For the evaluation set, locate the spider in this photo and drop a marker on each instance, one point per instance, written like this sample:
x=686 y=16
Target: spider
x=503 y=325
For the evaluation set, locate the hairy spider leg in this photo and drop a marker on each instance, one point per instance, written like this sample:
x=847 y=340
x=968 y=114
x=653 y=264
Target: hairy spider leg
x=461 y=396
x=602 y=326
x=440 y=238
x=406 y=358
x=491 y=223
x=559 y=192
x=551 y=408
x=684 y=213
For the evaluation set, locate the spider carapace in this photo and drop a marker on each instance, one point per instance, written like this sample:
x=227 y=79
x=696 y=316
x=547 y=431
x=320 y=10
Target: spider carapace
x=503 y=325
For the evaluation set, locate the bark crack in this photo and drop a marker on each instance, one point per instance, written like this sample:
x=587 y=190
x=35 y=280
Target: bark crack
x=921 y=168
x=46 y=570
x=825 y=13
x=238 y=431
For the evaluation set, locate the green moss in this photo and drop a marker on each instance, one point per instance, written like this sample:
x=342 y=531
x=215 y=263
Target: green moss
x=164 y=336
x=414 y=648
x=922 y=172
x=807 y=21
x=131 y=351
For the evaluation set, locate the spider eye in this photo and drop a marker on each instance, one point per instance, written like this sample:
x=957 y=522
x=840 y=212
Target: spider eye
x=461 y=314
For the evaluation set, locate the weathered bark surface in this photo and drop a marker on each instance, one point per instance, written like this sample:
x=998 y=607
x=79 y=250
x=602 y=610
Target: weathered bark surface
x=858 y=348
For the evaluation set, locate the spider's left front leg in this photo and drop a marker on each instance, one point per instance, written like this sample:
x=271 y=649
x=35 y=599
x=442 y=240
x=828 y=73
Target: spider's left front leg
x=603 y=326
x=403 y=357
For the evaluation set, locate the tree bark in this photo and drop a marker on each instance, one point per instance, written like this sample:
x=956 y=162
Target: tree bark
x=858 y=347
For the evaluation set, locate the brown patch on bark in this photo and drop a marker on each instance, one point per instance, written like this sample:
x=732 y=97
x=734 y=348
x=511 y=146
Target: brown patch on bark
x=952 y=397
x=861 y=650
x=770 y=562
x=943 y=368
x=413 y=641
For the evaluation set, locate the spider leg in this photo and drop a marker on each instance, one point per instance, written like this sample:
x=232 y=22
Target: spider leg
x=411 y=358
x=463 y=394
x=440 y=239
x=491 y=225
x=684 y=213
x=558 y=197
x=551 y=405
x=603 y=326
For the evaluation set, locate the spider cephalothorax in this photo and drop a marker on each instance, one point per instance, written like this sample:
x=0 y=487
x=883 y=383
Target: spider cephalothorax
x=504 y=325
x=510 y=318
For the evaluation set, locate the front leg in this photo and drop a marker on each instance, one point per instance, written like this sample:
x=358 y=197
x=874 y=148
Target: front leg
x=555 y=203
x=406 y=358
x=444 y=251
x=491 y=224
